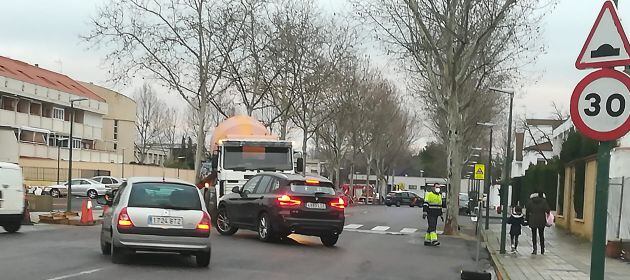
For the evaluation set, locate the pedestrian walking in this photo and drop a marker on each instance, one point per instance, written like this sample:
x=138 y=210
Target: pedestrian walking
x=432 y=209
x=536 y=213
x=516 y=220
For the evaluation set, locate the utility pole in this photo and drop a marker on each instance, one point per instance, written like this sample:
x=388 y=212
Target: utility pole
x=69 y=195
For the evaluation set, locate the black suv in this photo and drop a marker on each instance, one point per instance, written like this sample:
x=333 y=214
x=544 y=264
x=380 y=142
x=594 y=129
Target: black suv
x=276 y=205
x=403 y=198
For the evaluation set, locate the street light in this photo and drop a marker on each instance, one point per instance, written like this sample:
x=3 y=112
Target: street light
x=69 y=196
x=489 y=175
x=179 y=157
x=59 y=156
x=508 y=165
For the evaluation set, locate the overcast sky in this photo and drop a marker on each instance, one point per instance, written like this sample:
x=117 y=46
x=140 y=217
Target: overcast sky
x=47 y=33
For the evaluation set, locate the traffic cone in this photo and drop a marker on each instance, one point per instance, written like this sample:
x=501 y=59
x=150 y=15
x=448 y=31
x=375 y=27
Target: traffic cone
x=86 y=212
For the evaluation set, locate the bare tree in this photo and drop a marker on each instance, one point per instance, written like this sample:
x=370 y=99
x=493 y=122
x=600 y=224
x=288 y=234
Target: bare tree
x=150 y=116
x=182 y=43
x=455 y=50
x=250 y=66
x=559 y=113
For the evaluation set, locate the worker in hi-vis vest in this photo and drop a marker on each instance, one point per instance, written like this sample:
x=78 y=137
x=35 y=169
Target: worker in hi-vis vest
x=432 y=209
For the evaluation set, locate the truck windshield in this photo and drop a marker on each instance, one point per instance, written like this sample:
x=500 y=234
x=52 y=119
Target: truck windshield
x=257 y=158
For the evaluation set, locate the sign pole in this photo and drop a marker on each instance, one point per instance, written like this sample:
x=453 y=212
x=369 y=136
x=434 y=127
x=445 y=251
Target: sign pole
x=598 y=256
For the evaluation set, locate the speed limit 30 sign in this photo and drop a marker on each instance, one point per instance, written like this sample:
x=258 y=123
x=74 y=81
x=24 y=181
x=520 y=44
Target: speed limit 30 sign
x=600 y=105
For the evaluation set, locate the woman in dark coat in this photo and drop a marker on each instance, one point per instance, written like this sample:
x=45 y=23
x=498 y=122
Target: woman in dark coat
x=536 y=215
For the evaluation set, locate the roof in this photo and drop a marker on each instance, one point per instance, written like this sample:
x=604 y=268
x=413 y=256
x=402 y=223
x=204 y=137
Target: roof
x=543 y=147
x=133 y=180
x=547 y=122
x=25 y=72
x=297 y=177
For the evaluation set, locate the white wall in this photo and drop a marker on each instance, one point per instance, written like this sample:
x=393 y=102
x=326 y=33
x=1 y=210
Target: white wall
x=94 y=120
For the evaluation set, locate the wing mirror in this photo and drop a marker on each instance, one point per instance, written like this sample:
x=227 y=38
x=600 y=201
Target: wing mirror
x=215 y=161
x=300 y=165
x=236 y=189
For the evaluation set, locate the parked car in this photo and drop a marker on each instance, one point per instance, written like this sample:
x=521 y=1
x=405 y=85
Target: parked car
x=156 y=214
x=403 y=198
x=80 y=187
x=276 y=205
x=11 y=197
x=112 y=182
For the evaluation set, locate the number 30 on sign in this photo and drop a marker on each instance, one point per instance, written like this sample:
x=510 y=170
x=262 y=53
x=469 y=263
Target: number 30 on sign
x=600 y=105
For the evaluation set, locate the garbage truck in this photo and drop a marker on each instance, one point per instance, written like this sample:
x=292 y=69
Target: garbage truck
x=242 y=147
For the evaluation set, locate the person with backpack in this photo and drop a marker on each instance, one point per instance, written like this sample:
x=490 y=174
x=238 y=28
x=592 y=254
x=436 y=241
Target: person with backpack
x=536 y=216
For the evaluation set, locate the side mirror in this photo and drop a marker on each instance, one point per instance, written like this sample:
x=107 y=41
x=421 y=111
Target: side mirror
x=215 y=161
x=236 y=189
x=300 y=165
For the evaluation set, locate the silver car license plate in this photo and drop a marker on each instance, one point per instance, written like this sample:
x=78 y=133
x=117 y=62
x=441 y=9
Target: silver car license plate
x=313 y=205
x=166 y=221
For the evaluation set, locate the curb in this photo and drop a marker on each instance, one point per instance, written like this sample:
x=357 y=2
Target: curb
x=494 y=260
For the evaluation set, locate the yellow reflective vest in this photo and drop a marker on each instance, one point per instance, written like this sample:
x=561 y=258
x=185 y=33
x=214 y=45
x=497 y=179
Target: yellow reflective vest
x=432 y=204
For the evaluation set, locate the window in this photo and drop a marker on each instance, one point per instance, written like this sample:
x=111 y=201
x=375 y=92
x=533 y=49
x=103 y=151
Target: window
x=118 y=193
x=58 y=113
x=263 y=186
x=413 y=187
x=106 y=181
x=115 y=146
x=164 y=195
x=251 y=185
x=115 y=130
x=76 y=143
x=323 y=188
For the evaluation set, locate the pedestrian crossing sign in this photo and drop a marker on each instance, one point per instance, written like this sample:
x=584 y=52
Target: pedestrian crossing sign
x=480 y=171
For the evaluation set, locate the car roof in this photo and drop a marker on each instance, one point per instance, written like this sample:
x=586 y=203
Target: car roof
x=297 y=177
x=134 y=180
x=9 y=165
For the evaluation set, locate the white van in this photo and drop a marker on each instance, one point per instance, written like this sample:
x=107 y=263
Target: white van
x=11 y=197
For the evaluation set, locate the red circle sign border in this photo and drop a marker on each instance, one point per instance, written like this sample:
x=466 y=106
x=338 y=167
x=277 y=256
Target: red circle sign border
x=575 y=98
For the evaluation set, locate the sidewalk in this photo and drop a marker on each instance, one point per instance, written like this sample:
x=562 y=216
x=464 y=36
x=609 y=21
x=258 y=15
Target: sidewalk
x=566 y=257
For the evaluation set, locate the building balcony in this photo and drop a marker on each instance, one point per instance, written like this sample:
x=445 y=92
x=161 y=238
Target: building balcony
x=17 y=119
x=33 y=150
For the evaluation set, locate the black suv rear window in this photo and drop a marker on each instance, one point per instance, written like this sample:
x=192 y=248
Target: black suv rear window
x=302 y=188
x=164 y=195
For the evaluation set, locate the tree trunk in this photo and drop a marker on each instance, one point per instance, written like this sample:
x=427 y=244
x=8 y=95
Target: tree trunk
x=454 y=152
x=284 y=122
x=201 y=139
x=304 y=143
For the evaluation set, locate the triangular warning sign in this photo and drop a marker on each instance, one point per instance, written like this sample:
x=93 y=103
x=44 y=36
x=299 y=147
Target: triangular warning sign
x=479 y=171
x=607 y=44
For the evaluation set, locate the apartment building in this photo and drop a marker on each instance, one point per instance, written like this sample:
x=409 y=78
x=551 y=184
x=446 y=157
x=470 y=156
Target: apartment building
x=534 y=144
x=35 y=104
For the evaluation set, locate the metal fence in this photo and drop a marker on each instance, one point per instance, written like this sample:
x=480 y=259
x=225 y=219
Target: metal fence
x=50 y=174
x=619 y=209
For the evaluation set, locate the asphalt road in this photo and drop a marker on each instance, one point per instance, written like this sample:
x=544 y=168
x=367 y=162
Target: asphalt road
x=54 y=252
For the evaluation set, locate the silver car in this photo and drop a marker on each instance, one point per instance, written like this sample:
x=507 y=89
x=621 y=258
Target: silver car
x=156 y=214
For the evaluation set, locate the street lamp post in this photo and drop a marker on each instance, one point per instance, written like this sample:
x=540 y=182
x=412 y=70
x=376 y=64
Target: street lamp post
x=489 y=174
x=508 y=165
x=179 y=157
x=122 y=164
x=69 y=195
x=59 y=157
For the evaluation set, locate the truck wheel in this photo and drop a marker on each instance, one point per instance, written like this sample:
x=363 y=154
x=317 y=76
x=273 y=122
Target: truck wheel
x=12 y=228
x=397 y=203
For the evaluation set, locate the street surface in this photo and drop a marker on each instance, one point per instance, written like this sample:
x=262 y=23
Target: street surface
x=376 y=249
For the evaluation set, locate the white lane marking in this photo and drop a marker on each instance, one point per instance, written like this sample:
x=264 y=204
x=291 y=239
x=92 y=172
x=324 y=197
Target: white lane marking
x=375 y=232
x=76 y=274
x=380 y=228
x=409 y=230
x=352 y=226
